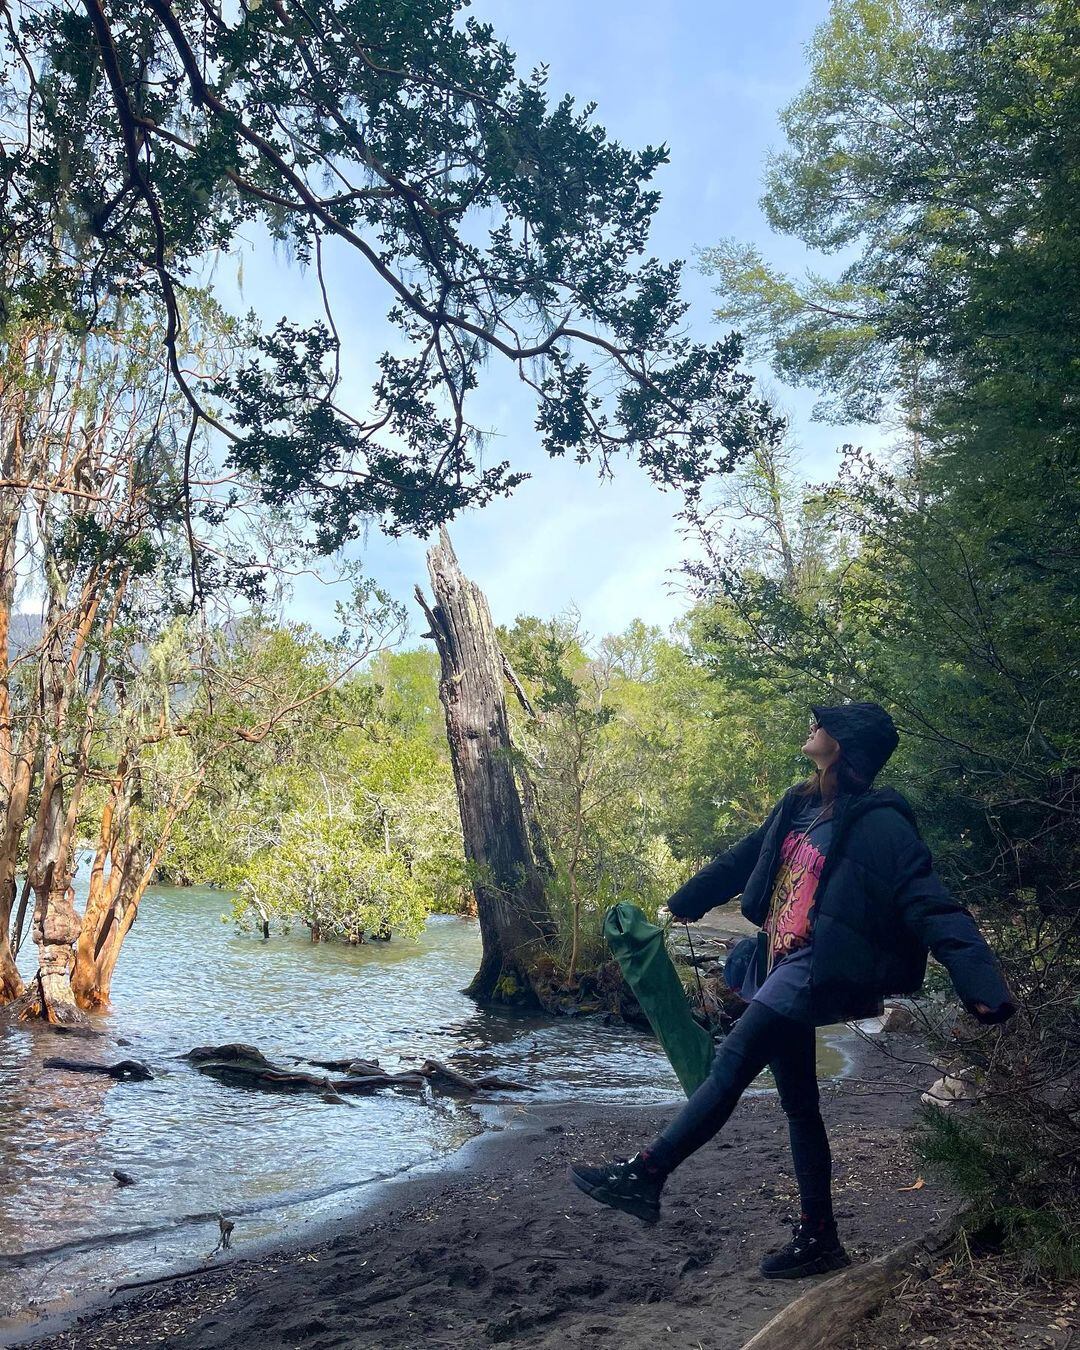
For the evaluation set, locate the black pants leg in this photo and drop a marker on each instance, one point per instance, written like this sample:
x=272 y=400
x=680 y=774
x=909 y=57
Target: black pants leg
x=760 y=1038
x=794 y=1068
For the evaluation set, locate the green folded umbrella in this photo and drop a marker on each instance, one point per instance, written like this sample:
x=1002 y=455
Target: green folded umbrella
x=638 y=946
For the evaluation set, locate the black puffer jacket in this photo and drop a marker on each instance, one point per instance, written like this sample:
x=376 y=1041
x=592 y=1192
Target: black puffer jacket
x=879 y=907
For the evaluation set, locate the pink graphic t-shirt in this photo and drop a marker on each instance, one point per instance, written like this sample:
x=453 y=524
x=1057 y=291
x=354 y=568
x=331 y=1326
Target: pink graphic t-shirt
x=793 y=894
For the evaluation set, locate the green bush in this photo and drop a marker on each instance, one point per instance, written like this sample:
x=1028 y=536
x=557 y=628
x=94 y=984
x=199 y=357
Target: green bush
x=1015 y=1179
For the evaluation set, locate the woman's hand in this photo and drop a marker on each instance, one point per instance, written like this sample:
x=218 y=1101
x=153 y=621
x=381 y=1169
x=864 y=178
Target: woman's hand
x=1001 y=1013
x=665 y=915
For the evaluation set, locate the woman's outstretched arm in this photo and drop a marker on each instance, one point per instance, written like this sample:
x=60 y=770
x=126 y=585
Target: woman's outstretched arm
x=948 y=929
x=722 y=879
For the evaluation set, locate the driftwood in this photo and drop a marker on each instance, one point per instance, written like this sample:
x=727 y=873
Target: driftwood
x=369 y=1082
x=247 y=1066
x=349 y=1065
x=826 y=1315
x=234 y=1050
x=124 y=1070
x=436 y=1071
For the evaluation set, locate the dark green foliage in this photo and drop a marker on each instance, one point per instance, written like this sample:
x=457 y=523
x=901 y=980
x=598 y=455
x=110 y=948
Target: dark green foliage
x=940 y=142
x=1012 y=1176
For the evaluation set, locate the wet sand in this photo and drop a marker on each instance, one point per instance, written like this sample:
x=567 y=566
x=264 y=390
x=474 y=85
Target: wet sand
x=499 y=1248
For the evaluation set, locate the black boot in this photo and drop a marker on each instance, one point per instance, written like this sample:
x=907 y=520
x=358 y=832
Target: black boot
x=813 y=1249
x=631 y=1186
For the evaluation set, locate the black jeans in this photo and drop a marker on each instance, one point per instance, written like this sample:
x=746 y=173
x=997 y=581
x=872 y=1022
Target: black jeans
x=760 y=1038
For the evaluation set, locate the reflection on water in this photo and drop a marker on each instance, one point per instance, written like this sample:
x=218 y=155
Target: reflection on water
x=273 y=1162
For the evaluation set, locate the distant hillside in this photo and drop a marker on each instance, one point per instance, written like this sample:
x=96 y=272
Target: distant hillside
x=24 y=633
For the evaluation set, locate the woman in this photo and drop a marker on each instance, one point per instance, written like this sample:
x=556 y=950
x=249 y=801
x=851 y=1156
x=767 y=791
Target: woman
x=844 y=891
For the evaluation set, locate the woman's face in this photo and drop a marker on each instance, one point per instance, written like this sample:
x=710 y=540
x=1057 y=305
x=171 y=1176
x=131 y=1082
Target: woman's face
x=820 y=746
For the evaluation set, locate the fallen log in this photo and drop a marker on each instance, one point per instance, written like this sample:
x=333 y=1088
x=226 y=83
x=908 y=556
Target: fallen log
x=252 y=1073
x=348 y=1065
x=234 y=1050
x=246 y=1066
x=124 y=1070
x=372 y=1081
x=826 y=1315
x=435 y=1070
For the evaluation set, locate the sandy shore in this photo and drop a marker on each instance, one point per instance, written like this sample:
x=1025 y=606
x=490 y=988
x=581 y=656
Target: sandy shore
x=499 y=1248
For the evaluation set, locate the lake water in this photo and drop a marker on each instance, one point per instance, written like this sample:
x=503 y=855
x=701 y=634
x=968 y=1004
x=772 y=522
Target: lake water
x=271 y=1162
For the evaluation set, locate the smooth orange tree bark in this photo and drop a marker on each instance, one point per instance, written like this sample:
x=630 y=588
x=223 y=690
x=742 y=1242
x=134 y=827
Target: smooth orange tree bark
x=122 y=871
x=100 y=506
x=85 y=513
x=27 y=373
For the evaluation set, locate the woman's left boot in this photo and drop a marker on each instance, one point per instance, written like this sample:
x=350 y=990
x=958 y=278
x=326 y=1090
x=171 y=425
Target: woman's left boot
x=633 y=1186
x=813 y=1249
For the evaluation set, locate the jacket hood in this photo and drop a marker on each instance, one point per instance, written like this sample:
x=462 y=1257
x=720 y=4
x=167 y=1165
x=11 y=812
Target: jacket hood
x=878 y=799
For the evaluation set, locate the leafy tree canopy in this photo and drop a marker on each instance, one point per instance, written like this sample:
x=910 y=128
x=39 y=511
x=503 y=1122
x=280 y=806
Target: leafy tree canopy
x=936 y=145
x=143 y=137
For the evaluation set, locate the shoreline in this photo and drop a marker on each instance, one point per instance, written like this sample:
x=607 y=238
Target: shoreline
x=491 y=1243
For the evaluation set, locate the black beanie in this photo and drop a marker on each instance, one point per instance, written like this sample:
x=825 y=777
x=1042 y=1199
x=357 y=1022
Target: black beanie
x=865 y=733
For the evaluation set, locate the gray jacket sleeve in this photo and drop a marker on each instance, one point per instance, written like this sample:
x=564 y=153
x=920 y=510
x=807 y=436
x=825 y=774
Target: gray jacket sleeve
x=947 y=928
x=722 y=879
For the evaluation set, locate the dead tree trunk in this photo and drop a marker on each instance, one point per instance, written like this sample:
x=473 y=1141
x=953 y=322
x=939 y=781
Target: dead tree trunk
x=530 y=802
x=515 y=922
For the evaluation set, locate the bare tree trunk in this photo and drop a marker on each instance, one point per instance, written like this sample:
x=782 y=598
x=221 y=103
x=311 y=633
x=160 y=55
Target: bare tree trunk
x=771 y=474
x=515 y=921
x=56 y=923
x=11 y=830
x=17 y=753
x=113 y=903
x=530 y=803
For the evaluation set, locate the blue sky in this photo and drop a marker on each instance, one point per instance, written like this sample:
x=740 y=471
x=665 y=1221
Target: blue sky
x=708 y=79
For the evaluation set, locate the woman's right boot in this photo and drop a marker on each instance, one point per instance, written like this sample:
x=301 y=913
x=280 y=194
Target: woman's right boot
x=633 y=1186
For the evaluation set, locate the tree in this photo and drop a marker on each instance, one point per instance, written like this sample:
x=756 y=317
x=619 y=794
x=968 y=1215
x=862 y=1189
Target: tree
x=322 y=873
x=511 y=900
x=99 y=525
x=598 y=760
x=92 y=527
x=143 y=138
x=365 y=775
x=937 y=144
